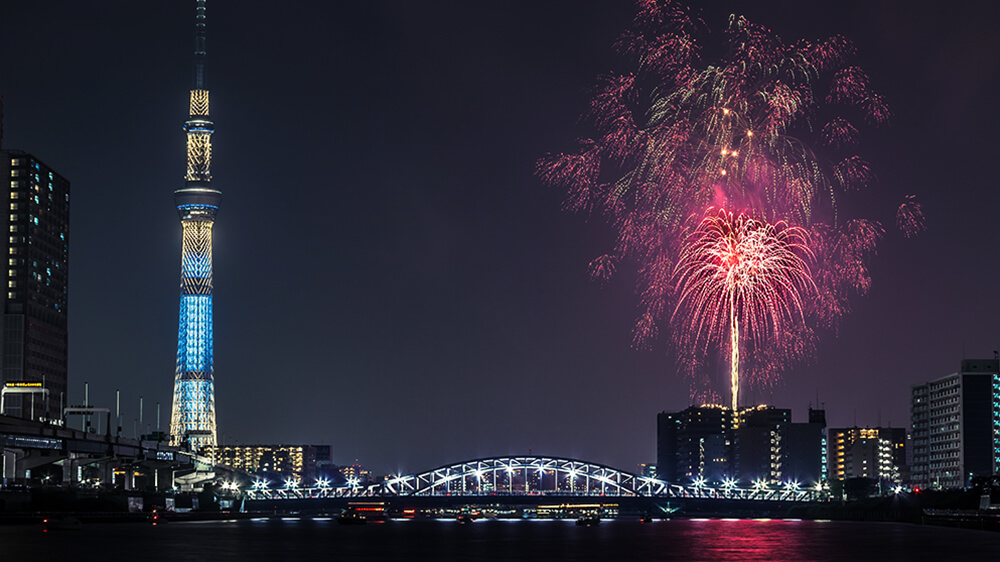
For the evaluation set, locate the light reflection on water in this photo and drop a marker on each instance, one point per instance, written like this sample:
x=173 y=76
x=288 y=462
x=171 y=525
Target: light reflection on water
x=294 y=538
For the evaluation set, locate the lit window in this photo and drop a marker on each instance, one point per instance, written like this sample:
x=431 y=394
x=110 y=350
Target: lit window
x=12 y=284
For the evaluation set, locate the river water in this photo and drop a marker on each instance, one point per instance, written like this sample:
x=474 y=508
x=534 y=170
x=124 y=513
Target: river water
x=324 y=539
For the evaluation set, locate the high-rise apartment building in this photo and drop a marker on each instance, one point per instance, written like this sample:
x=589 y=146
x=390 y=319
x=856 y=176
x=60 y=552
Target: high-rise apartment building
x=34 y=337
x=956 y=426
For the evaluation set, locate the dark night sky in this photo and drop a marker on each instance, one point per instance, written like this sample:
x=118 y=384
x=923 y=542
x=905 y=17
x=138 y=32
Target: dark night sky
x=391 y=279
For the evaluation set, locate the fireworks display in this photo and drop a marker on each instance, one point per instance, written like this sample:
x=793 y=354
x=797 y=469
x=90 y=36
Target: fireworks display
x=722 y=179
x=742 y=278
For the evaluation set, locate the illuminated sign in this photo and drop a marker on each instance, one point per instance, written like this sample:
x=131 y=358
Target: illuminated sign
x=159 y=455
x=23 y=384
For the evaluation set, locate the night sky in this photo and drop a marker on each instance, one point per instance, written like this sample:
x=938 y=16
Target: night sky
x=390 y=277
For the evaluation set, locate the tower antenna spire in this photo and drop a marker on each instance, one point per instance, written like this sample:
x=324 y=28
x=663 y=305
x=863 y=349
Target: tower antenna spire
x=199 y=46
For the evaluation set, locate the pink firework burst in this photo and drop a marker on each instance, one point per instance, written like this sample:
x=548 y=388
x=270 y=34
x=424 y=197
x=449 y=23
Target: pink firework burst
x=742 y=279
x=910 y=217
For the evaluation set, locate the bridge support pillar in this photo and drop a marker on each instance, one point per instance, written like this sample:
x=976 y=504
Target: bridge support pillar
x=8 y=467
x=107 y=471
x=128 y=477
x=71 y=468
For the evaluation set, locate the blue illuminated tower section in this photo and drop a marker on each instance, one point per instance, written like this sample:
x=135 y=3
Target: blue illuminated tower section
x=192 y=418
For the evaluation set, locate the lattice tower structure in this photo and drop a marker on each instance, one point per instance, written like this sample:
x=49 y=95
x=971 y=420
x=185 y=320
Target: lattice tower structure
x=192 y=418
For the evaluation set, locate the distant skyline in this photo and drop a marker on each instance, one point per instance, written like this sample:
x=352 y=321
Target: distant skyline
x=390 y=277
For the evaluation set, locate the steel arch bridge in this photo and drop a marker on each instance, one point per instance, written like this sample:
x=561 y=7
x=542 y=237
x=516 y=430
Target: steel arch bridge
x=534 y=476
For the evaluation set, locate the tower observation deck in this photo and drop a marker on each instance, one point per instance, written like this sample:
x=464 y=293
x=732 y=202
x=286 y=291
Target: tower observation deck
x=192 y=417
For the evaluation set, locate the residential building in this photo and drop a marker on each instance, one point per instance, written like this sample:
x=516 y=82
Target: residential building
x=34 y=339
x=956 y=426
x=868 y=452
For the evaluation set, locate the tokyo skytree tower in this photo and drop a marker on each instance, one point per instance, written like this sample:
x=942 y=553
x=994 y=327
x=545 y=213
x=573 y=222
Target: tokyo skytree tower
x=192 y=418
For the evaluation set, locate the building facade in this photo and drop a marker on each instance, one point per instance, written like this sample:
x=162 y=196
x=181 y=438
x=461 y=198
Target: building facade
x=956 y=426
x=868 y=452
x=297 y=462
x=769 y=447
x=704 y=443
x=192 y=417
x=34 y=340
x=693 y=443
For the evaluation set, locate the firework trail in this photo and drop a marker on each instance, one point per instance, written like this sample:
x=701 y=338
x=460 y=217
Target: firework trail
x=680 y=143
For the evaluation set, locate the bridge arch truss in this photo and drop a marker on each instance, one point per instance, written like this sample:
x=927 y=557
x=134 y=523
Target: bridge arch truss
x=535 y=476
x=522 y=476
